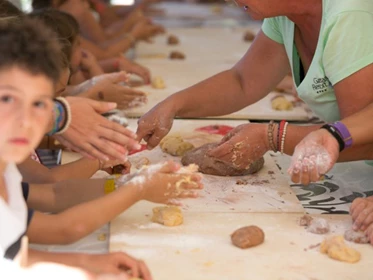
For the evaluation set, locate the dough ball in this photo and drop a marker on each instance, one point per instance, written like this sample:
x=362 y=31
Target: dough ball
x=318 y=226
x=249 y=36
x=336 y=249
x=356 y=236
x=175 y=145
x=280 y=103
x=305 y=220
x=176 y=55
x=214 y=166
x=173 y=40
x=247 y=237
x=169 y=216
x=158 y=83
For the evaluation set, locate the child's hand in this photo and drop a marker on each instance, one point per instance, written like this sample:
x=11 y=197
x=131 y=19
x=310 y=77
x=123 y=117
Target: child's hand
x=116 y=263
x=162 y=184
x=362 y=213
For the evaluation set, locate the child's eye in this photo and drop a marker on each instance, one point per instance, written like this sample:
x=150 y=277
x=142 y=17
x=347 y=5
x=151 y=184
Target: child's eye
x=40 y=104
x=6 y=98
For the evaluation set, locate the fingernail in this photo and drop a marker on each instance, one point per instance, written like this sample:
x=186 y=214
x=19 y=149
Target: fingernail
x=112 y=105
x=137 y=146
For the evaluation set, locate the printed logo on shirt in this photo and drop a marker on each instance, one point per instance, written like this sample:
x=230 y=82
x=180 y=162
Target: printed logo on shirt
x=321 y=85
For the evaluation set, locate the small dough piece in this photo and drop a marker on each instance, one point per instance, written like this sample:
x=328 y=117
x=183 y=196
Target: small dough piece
x=280 y=103
x=336 y=249
x=305 y=220
x=318 y=226
x=247 y=237
x=356 y=236
x=173 y=40
x=175 y=145
x=214 y=166
x=158 y=83
x=176 y=55
x=249 y=36
x=169 y=216
x=101 y=237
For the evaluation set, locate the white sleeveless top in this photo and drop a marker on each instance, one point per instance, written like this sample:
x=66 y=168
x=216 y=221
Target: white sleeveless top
x=13 y=214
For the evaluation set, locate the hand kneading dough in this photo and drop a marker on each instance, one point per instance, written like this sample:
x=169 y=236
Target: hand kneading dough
x=247 y=237
x=336 y=248
x=175 y=145
x=280 y=103
x=158 y=83
x=214 y=166
x=169 y=216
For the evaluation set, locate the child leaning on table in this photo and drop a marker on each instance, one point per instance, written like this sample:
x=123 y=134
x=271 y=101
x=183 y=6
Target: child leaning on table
x=28 y=73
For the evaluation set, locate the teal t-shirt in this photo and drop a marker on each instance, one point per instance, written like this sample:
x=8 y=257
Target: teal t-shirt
x=344 y=47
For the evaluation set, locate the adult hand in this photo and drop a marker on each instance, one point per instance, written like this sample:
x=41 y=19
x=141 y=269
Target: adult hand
x=155 y=124
x=313 y=156
x=116 y=263
x=94 y=136
x=243 y=145
x=108 y=88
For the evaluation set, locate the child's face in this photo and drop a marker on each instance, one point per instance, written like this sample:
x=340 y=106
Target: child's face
x=25 y=111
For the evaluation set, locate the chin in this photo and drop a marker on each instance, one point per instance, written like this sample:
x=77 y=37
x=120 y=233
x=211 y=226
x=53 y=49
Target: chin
x=16 y=156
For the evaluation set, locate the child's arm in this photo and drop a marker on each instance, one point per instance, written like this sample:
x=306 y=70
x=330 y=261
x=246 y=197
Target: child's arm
x=162 y=186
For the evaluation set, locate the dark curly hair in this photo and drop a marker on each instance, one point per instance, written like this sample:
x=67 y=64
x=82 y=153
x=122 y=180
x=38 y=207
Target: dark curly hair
x=64 y=25
x=29 y=45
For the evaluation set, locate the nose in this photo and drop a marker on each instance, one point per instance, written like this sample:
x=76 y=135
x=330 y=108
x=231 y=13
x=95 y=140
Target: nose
x=25 y=116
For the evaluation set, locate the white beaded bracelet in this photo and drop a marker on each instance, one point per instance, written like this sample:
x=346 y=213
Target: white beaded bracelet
x=66 y=104
x=283 y=138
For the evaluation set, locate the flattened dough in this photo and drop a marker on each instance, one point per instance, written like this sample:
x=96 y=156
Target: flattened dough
x=169 y=216
x=158 y=83
x=280 y=103
x=336 y=249
x=175 y=145
x=213 y=166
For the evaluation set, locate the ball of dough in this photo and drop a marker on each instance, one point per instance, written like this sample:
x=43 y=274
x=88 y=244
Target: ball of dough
x=280 y=103
x=169 y=216
x=318 y=226
x=176 y=55
x=356 y=236
x=305 y=220
x=175 y=145
x=158 y=83
x=249 y=36
x=173 y=40
x=247 y=237
x=336 y=249
x=214 y=166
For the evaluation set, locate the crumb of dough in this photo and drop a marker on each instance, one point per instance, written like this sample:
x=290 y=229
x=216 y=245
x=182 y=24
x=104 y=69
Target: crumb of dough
x=158 y=83
x=280 y=103
x=169 y=216
x=336 y=249
x=101 y=237
x=305 y=220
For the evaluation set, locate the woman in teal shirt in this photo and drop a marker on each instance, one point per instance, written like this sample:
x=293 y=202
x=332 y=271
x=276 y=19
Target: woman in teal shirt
x=326 y=44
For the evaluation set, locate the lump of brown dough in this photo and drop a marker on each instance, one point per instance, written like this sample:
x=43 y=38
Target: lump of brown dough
x=176 y=55
x=214 y=166
x=248 y=36
x=173 y=40
x=247 y=237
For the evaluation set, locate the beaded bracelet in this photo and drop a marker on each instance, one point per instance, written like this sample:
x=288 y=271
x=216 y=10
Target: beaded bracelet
x=279 y=133
x=58 y=117
x=283 y=137
x=270 y=136
x=67 y=112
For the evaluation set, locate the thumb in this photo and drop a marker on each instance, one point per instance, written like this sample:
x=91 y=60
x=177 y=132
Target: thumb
x=101 y=107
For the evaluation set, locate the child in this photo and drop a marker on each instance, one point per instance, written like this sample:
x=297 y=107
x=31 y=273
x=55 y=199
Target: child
x=29 y=56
